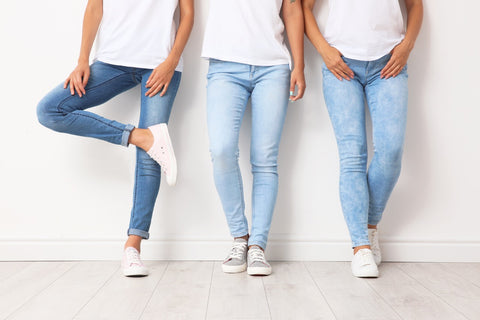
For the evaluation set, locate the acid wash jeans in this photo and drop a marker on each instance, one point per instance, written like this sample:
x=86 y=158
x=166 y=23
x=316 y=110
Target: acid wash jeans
x=364 y=194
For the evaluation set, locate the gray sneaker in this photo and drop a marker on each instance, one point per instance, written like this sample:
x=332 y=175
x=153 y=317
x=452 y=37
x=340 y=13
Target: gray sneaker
x=236 y=261
x=257 y=264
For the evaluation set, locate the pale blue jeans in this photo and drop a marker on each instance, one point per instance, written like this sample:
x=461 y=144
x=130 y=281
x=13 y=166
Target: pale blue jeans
x=230 y=86
x=364 y=193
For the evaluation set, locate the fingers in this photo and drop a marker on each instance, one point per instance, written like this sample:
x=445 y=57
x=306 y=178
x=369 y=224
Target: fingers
x=165 y=88
x=78 y=85
x=150 y=79
x=336 y=74
x=341 y=71
x=387 y=67
x=154 y=89
x=292 y=89
x=347 y=72
x=394 y=71
x=393 y=68
x=72 y=87
x=344 y=75
x=86 y=76
x=78 y=89
x=65 y=84
x=300 y=90
x=156 y=85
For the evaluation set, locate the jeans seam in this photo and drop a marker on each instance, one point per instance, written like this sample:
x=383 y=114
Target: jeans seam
x=240 y=185
x=132 y=74
x=87 y=116
x=134 y=192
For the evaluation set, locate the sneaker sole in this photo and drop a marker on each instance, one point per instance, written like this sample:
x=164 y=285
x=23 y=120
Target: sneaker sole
x=135 y=273
x=366 y=275
x=172 y=176
x=258 y=271
x=234 y=269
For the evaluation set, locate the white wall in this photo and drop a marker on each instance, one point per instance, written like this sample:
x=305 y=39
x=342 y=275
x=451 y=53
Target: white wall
x=65 y=197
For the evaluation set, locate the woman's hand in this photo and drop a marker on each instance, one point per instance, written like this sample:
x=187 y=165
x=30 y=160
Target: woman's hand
x=160 y=79
x=78 y=79
x=334 y=62
x=397 y=61
x=297 y=79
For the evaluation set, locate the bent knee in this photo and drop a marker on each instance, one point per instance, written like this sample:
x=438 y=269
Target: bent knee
x=48 y=114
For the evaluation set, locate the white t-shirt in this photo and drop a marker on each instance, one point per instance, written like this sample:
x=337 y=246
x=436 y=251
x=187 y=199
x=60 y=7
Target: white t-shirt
x=364 y=29
x=137 y=33
x=246 y=31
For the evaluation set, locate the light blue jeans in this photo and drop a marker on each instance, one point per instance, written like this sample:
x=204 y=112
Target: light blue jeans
x=230 y=85
x=363 y=194
x=62 y=112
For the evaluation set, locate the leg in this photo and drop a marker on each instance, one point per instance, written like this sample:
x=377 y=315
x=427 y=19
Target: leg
x=227 y=98
x=345 y=104
x=269 y=108
x=387 y=100
x=62 y=112
x=147 y=173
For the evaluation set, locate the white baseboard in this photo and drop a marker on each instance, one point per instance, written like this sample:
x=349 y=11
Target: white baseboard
x=306 y=250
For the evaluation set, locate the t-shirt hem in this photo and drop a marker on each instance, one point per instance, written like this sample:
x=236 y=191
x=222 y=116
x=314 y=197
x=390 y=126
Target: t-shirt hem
x=372 y=57
x=253 y=62
x=136 y=64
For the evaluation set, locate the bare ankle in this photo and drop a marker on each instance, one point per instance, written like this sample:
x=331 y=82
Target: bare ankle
x=356 y=249
x=245 y=237
x=133 y=241
x=141 y=138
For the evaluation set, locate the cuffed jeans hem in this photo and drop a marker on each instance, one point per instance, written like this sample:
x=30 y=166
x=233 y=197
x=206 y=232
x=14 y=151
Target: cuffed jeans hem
x=137 y=232
x=126 y=134
x=261 y=244
x=360 y=243
x=239 y=234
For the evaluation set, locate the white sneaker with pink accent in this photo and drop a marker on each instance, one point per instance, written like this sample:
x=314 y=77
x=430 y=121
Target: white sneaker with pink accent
x=162 y=152
x=131 y=263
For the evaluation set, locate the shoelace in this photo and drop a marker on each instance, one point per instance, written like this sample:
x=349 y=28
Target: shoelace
x=256 y=255
x=363 y=257
x=237 y=251
x=133 y=258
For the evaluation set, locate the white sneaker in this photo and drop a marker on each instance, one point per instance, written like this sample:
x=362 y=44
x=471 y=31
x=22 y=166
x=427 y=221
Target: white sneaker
x=257 y=264
x=236 y=261
x=132 y=265
x=363 y=265
x=162 y=152
x=375 y=246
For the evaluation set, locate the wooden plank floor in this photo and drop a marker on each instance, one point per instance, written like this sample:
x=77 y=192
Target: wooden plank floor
x=200 y=290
